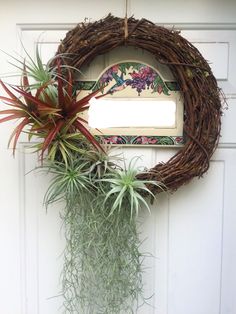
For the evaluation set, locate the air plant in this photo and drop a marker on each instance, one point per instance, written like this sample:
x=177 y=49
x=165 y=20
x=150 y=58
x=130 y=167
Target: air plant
x=55 y=120
x=39 y=73
x=126 y=190
x=69 y=181
x=102 y=161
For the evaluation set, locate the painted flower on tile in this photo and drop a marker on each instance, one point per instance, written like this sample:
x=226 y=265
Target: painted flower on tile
x=136 y=75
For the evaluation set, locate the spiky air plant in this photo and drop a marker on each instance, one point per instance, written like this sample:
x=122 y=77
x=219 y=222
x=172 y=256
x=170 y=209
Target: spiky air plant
x=102 y=161
x=70 y=180
x=38 y=72
x=55 y=120
x=126 y=190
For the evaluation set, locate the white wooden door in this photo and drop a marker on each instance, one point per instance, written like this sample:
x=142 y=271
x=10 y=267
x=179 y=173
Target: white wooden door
x=191 y=234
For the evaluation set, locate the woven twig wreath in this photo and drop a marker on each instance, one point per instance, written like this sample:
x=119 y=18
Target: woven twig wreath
x=202 y=101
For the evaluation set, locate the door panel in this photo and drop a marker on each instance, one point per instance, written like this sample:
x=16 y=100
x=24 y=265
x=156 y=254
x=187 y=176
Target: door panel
x=195 y=245
x=184 y=235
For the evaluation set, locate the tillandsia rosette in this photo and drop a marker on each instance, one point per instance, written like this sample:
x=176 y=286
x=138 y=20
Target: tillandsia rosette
x=102 y=270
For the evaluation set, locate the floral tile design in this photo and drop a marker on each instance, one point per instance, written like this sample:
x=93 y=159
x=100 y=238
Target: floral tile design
x=139 y=77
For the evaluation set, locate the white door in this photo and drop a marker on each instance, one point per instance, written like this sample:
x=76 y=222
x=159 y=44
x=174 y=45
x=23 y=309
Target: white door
x=191 y=234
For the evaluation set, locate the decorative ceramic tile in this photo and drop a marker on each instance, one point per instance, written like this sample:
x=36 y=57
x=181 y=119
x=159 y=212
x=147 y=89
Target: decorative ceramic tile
x=142 y=80
x=137 y=75
x=142 y=140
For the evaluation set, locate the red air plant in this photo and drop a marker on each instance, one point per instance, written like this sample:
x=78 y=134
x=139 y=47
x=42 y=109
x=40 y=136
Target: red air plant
x=56 y=120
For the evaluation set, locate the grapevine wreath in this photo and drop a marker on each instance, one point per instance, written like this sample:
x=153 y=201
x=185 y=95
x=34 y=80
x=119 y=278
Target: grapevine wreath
x=102 y=270
x=202 y=102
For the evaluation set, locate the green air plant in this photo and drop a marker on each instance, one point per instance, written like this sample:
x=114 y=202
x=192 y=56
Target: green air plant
x=39 y=73
x=126 y=190
x=102 y=161
x=69 y=181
